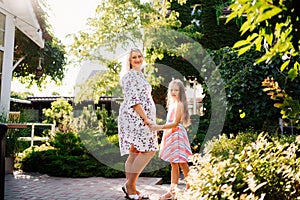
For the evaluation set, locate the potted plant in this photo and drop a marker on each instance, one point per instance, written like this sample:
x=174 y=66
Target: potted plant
x=12 y=143
x=11 y=150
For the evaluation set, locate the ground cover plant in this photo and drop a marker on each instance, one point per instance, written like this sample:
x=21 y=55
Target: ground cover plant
x=265 y=168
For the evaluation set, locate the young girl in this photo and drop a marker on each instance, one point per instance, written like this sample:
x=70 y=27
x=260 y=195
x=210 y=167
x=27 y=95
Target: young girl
x=175 y=147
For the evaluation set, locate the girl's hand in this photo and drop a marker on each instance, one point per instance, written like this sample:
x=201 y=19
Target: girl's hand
x=156 y=127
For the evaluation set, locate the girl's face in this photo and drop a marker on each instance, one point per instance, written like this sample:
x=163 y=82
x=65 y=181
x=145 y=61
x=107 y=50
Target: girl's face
x=136 y=60
x=174 y=92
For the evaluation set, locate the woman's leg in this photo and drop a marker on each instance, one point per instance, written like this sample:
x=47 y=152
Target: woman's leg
x=128 y=164
x=131 y=187
x=185 y=169
x=135 y=164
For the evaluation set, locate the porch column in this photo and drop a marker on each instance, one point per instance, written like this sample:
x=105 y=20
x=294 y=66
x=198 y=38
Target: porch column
x=7 y=63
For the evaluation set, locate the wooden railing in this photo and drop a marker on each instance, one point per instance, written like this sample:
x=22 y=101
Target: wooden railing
x=33 y=138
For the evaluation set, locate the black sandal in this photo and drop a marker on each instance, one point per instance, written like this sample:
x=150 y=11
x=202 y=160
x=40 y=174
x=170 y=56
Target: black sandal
x=124 y=190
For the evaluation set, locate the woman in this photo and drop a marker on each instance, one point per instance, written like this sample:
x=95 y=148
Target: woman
x=136 y=114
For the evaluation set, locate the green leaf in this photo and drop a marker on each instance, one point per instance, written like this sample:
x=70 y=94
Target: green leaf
x=284 y=65
x=261 y=59
x=258 y=43
x=242 y=115
x=268 y=14
x=245 y=27
x=269 y=38
x=240 y=43
x=230 y=17
x=292 y=74
x=244 y=49
x=278 y=105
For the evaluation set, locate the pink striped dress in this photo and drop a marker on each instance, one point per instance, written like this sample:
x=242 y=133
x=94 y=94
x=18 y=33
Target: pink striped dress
x=175 y=146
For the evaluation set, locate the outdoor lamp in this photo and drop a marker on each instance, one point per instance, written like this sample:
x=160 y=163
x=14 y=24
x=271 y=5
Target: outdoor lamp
x=39 y=69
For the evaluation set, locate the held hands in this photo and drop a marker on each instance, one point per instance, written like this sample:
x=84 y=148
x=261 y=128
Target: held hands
x=152 y=126
x=156 y=127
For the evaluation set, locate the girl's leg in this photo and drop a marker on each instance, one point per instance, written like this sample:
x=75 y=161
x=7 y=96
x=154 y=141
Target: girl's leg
x=185 y=169
x=174 y=173
x=174 y=182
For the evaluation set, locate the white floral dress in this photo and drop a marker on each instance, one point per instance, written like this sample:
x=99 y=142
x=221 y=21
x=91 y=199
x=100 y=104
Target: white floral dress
x=131 y=127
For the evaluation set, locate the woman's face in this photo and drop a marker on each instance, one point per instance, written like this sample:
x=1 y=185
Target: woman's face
x=136 y=60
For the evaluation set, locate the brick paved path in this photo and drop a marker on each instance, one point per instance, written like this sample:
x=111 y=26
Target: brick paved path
x=42 y=187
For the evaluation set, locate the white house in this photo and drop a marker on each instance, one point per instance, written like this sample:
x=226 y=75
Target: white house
x=14 y=14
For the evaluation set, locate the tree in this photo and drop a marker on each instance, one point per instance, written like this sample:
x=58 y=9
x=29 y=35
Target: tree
x=273 y=28
x=117 y=24
x=247 y=105
x=108 y=78
x=215 y=33
x=27 y=53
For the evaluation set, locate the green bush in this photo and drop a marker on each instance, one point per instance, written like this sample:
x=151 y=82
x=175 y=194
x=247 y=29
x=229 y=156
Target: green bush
x=263 y=169
x=224 y=145
x=51 y=161
x=197 y=132
x=246 y=103
x=107 y=121
x=68 y=144
x=61 y=115
x=77 y=154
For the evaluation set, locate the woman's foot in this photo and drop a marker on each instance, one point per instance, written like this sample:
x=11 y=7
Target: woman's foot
x=133 y=197
x=130 y=189
x=124 y=190
x=142 y=196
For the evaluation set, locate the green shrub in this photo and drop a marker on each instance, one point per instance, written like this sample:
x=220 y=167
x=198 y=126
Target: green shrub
x=48 y=160
x=197 y=132
x=107 y=121
x=61 y=115
x=68 y=144
x=264 y=169
x=222 y=146
x=77 y=154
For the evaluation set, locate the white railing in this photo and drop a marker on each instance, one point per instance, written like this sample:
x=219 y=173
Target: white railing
x=32 y=138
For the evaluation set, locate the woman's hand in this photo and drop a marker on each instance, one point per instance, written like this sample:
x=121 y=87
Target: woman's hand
x=147 y=122
x=156 y=127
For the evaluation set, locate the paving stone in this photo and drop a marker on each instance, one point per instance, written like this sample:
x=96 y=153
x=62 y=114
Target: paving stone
x=31 y=186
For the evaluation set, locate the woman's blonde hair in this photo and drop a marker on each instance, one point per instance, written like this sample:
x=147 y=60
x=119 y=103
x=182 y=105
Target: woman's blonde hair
x=182 y=99
x=126 y=66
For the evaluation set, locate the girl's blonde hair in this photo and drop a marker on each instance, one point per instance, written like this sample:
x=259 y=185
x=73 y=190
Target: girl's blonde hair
x=182 y=99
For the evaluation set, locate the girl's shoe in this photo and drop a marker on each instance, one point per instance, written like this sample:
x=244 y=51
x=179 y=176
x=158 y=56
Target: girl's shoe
x=167 y=196
x=171 y=195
